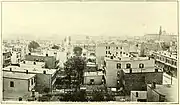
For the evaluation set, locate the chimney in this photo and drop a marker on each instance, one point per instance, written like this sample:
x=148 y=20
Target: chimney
x=130 y=70
x=26 y=71
x=46 y=54
x=156 y=69
x=153 y=85
x=10 y=69
x=44 y=72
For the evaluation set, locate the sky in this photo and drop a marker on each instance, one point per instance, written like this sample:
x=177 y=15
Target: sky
x=57 y=19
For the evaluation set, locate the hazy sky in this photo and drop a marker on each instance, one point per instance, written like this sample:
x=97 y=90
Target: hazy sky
x=47 y=19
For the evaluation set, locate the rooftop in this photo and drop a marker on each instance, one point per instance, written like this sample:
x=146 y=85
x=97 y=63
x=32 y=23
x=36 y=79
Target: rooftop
x=17 y=75
x=170 y=91
x=143 y=70
x=127 y=59
x=167 y=54
x=97 y=73
x=30 y=70
x=31 y=64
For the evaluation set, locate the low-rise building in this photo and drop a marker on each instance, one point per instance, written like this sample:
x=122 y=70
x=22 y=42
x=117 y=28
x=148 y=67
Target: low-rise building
x=138 y=96
x=45 y=78
x=162 y=93
x=16 y=85
x=94 y=78
x=50 y=60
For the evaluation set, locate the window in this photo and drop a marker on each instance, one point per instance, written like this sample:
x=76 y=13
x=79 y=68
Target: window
x=118 y=73
x=116 y=53
x=128 y=65
x=106 y=52
x=141 y=65
x=31 y=81
x=175 y=63
x=136 y=94
x=109 y=47
x=91 y=81
x=116 y=47
x=121 y=52
x=109 y=52
x=118 y=66
x=11 y=84
x=106 y=47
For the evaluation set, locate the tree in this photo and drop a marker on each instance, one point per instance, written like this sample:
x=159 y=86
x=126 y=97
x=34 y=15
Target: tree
x=98 y=96
x=55 y=47
x=77 y=51
x=75 y=66
x=46 y=90
x=165 y=46
x=33 y=45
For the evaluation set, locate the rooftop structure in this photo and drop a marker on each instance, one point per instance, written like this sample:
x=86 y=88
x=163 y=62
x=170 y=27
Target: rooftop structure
x=16 y=75
x=30 y=70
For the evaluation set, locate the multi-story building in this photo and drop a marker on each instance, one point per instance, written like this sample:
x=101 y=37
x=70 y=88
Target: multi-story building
x=111 y=49
x=6 y=59
x=17 y=85
x=131 y=73
x=45 y=78
x=166 y=61
x=16 y=57
x=50 y=60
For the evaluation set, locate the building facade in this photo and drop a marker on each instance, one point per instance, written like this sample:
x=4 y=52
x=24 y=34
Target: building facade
x=6 y=59
x=16 y=85
x=45 y=78
x=167 y=62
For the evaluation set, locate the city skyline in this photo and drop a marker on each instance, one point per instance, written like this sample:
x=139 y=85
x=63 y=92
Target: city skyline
x=50 y=20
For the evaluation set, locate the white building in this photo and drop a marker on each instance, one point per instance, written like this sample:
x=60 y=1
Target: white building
x=16 y=85
x=16 y=57
x=45 y=78
x=138 y=96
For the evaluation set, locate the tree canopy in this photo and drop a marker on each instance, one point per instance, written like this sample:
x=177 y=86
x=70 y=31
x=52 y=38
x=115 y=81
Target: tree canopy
x=55 y=47
x=33 y=45
x=77 y=51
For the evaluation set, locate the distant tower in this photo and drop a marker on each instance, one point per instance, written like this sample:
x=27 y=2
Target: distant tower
x=159 y=43
x=160 y=32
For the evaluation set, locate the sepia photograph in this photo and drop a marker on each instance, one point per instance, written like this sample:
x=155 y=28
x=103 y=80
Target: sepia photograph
x=89 y=52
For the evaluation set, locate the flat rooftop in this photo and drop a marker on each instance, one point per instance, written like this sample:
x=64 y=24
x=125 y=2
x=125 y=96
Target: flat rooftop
x=30 y=70
x=170 y=91
x=16 y=75
x=143 y=70
x=96 y=73
x=32 y=63
x=127 y=59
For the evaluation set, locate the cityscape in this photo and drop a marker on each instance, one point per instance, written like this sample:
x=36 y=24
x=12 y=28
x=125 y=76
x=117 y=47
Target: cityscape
x=82 y=65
